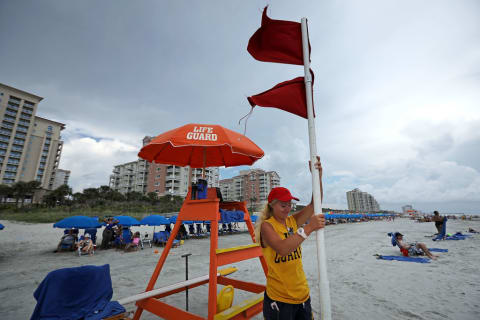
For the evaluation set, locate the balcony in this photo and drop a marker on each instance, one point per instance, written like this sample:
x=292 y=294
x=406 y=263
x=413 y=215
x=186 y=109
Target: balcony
x=7 y=126
x=11 y=169
x=18 y=142
x=27 y=111
x=12 y=107
x=22 y=129
x=4 y=139
x=25 y=117
x=24 y=123
x=6 y=132
x=15 y=155
x=20 y=135
x=13 y=114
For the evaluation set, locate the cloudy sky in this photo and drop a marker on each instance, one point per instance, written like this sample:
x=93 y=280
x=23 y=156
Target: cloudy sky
x=397 y=90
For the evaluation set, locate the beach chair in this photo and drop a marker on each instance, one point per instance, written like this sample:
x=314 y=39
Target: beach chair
x=175 y=243
x=77 y=293
x=67 y=242
x=145 y=240
x=126 y=237
x=158 y=238
x=80 y=246
x=93 y=234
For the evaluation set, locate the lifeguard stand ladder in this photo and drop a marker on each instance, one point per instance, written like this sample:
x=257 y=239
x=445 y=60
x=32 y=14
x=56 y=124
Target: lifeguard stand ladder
x=208 y=209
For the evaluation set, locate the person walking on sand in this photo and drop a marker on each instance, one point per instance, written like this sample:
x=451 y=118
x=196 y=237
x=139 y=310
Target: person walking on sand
x=438 y=219
x=287 y=294
x=414 y=249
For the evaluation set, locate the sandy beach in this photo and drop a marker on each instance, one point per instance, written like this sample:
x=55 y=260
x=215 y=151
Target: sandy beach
x=362 y=287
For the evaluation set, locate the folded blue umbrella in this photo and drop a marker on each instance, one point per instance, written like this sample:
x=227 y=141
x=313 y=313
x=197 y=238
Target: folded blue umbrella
x=437 y=250
x=127 y=221
x=402 y=258
x=76 y=293
x=78 y=222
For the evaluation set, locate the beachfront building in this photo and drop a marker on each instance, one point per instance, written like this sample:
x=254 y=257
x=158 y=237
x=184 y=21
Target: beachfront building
x=360 y=201
x=173 y=180
x=30 y=146
x=130 y=176
x=251 y=186
x=61 y=177
x=162 y=179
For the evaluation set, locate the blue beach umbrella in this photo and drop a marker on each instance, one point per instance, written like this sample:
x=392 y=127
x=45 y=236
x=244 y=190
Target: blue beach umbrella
x=1 y=226
x=173 y=219
x=154 y=220
x=127 y=221
x=78 y=222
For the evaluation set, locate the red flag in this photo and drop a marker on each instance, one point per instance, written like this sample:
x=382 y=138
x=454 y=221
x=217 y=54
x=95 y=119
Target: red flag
x=277 y=41
x=288 y=96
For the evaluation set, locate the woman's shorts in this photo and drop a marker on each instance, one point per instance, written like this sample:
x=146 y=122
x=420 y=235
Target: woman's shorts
x=276 y=310
x=414 y=251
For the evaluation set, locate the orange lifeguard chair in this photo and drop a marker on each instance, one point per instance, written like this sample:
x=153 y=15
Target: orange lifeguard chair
x=208 y=209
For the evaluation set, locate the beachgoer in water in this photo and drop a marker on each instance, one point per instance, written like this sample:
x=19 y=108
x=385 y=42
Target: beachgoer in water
x=414 y=249
x=280 y=234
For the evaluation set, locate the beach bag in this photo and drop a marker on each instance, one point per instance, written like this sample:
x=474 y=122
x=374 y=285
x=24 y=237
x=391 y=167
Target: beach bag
x=404 y=252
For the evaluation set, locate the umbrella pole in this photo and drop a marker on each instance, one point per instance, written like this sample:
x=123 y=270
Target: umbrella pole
x=204 y=161
x=325 y=309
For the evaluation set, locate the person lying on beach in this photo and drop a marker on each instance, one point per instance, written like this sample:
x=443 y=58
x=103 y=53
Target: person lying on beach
x=287 y=294
x=414 y=249
x=86 y=245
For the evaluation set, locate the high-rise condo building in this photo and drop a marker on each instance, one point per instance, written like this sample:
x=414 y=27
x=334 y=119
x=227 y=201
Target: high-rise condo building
x=61 y=178
x=30 y=146
x=251 y=186
x=361 y=201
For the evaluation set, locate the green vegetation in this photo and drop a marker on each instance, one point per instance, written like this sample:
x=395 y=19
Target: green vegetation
x=61 y=203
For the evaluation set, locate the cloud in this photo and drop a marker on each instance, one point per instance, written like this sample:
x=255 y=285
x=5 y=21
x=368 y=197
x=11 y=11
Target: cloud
x=91 y=160
x=396 y=91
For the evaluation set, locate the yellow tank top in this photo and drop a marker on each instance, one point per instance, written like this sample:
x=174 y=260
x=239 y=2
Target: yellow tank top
x=286 y=281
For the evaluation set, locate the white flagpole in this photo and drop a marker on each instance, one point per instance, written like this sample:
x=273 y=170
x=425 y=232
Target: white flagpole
x=326 y=313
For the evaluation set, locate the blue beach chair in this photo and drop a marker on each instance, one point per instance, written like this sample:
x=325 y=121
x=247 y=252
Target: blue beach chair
x=76 y=293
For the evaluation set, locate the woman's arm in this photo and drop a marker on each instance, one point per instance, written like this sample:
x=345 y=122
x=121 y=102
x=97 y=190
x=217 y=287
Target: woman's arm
x=285 y=246
x=303 y=215
x=273 y=240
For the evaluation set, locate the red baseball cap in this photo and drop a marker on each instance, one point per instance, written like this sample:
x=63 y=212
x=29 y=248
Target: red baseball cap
x=281 y=194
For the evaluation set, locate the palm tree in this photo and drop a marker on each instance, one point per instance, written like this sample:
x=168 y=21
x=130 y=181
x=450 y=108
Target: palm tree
x=20 y=190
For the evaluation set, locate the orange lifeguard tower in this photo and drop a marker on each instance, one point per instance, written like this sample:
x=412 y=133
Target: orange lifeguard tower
x=200 y=145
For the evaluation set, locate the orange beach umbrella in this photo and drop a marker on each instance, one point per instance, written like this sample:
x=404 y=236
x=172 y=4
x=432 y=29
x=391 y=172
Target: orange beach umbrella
x=201 y=145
